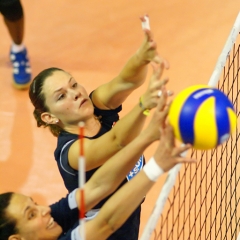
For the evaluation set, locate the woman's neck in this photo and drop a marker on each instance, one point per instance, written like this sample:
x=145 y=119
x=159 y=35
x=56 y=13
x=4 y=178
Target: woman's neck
x=91 y=127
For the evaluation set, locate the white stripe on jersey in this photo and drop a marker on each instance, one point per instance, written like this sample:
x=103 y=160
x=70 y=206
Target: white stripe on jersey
x=75 y=234
x=72 y=203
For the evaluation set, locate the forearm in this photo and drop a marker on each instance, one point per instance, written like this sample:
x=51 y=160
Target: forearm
x=124 y=131
x=134 y=71
x=128 y=127
x=120 y=206
x=111 y=174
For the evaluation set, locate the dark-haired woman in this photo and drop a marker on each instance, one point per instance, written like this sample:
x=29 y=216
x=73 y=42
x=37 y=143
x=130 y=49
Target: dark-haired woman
x=60 y=103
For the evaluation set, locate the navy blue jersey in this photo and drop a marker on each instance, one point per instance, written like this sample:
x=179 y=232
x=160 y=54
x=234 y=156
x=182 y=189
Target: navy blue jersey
x=70 y=176
x=65 y=140
x=67 y=218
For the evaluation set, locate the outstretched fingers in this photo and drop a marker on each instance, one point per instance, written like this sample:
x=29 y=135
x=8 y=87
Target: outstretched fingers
x=167 y=154
x=157 y=69
x=185 y=160
x=156 y=82
x=181 y=150
x=176 y=151
x=162 y=102
x=149 y=41
x=146 y=27
x=149 y=38
x=159 y=60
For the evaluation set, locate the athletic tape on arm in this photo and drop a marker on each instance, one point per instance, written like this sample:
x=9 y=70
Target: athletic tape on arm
x=146 y=24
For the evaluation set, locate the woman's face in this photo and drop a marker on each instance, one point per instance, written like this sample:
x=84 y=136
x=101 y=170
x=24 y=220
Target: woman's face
x=66 y=99
x=33 y=221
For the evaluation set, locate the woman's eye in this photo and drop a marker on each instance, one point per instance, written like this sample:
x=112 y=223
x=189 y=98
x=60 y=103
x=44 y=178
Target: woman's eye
x=74 y=85
x=31 y=215
x=61 y=97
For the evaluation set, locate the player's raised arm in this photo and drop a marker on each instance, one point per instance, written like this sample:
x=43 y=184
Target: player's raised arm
x=112 y=94
x=118 y=208
x=125 y=130
x=108 y=177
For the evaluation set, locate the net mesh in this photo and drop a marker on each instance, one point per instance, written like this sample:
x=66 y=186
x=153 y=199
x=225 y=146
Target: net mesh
x=204 y=201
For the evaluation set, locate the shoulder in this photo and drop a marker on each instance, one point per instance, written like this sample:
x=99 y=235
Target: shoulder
x=69 y=175
x=65 y=137
x=59 y=209
x=72 y=234
x=104 y=112
x=65 y=214
x=65 y=140
x=64 y=205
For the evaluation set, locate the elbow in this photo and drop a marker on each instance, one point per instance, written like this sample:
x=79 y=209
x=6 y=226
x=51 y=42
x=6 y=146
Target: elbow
x=113 y=227
x=110 y=227
x=120 y=142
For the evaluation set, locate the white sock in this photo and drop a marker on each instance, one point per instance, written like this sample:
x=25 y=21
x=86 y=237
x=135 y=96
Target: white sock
x=17 y=48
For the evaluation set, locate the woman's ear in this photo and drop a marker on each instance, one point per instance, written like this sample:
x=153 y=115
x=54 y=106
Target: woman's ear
x=14 y=237
x=49 y=118
x=46 y=117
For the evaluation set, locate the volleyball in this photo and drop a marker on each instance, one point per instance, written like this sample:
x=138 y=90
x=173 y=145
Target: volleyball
x=202 y=116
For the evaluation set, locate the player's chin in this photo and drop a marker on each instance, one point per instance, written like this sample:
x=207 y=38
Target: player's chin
x=55 y=231
x=86 y=112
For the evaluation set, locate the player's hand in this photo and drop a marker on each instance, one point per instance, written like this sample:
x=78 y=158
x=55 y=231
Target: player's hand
x=159 y=117
x=148 y=50
x=167 y=154
x=151 y=97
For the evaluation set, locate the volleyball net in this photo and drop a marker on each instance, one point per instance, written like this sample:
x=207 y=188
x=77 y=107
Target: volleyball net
x=202 y=201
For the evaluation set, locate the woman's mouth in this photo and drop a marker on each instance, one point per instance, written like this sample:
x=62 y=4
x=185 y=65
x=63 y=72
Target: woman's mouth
x=51 y=223
x=82 y=102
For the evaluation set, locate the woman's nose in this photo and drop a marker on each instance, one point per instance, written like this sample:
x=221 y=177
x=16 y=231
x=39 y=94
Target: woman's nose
x=76 y=95
x=45 y=210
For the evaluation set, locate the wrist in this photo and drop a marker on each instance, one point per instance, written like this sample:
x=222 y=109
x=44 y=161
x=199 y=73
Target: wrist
x=149 y=135
x=146 y=111
x=153 y=170
x=139 y=58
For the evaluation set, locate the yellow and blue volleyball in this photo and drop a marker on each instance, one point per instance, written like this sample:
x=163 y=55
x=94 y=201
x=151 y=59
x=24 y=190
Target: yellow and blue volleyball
x=202 y=116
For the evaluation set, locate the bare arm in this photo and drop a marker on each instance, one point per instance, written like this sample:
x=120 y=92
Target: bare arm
x=97 y=151
x=119 y=207
x=112 y=94
x=108 y=177
x=111 y=174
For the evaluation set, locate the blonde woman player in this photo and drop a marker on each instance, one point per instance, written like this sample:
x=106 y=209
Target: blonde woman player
x=61 y=102
x=22 y=218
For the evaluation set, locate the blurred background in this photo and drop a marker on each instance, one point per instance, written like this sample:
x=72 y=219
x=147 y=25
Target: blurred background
x=92 y=40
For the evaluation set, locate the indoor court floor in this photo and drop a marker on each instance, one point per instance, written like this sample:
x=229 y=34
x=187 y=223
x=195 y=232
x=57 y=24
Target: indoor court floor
x=92 y=40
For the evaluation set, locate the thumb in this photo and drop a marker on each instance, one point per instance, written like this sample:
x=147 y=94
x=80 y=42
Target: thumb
x=161 y=61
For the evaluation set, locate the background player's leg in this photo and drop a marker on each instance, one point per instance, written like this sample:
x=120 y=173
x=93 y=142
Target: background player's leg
x=13 y=15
